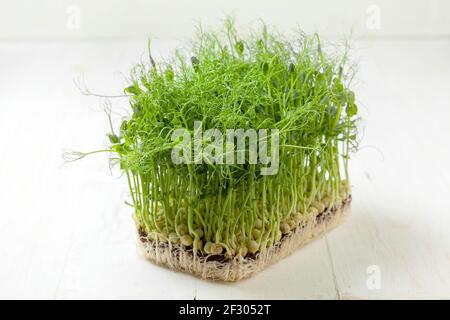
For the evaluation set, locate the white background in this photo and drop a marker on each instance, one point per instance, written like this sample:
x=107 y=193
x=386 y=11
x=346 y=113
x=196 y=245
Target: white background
x=47 y=19
x=65 y=232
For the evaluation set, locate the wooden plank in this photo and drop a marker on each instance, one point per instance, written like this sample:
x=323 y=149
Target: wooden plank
x=66 y=233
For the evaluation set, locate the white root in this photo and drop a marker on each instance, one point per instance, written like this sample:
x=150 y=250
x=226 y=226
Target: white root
x=238 y=267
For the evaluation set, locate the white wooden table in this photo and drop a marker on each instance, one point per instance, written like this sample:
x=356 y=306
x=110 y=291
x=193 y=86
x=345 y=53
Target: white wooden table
x=65 y=232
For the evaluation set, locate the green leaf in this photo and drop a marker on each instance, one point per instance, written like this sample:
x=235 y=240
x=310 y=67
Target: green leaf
x=134 y=89
x=265 y=67
x=352 y=109
x=113 y=138
x=350 y=96
x=291 y=68
x=169 y=74
x=239 y=46
x=331 y=110
x=260 y=44
x=137 y=109
x=275 y=82
x=123 y=126
x=195 y=63
x=118 y=148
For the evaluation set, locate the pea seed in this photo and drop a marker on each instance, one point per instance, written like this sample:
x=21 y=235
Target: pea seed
x=162 y=237
x=216 y=248
x=292 y=224
x=208 y=247
x=319 y=206
x=243 y=250
x=253 y=246
x=198 y=244
x=186 y=240
x=297 y=217
x=284 y=228
x=313 y=212
x=173 y=237
x=182 y=229
x=199 y=232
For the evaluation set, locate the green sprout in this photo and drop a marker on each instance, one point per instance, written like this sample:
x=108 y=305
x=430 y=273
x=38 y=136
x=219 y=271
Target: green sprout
x=225 y=81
